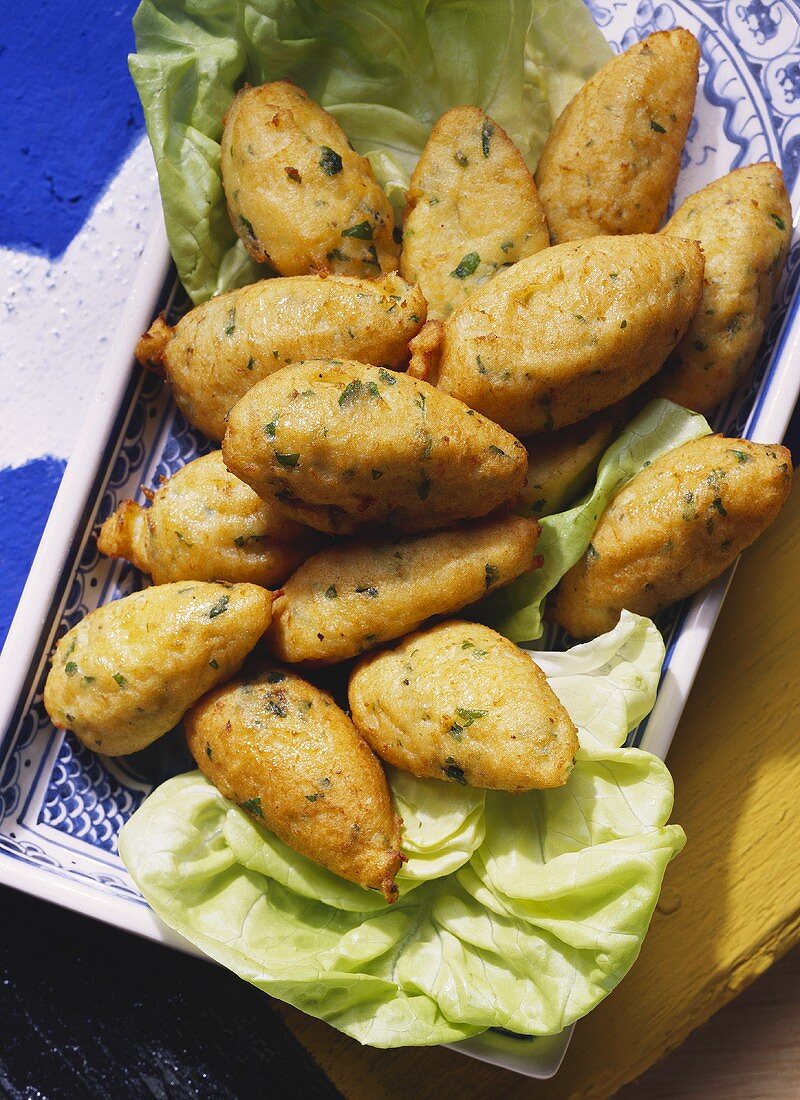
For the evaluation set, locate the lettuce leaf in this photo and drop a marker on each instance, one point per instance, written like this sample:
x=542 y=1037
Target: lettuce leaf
x=386 y=70
x=519 y=912
x=517 y=609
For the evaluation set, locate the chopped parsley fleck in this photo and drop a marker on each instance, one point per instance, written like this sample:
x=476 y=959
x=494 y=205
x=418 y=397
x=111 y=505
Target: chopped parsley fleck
x=781 y=224
x=470 y=716
x=219 y=607
x=269 y=429
x=314 y=797
x=376 y=474
x=247 y=226
x=424 y=487
x=330 y=592
x=251 y=363
x=486 y=136
x=506 y=246
x=591 y=553
x=420 y=400
x=330 y=162
x=275 y=677
x=209 y=751
x=367 y=590
x=351 y=393
x=386 y=376
x=362 y=231
x=492 y=574
x=720 y=507
x=659 y=129
x=70 y=668
x=372 y=389
x=214 y=663
x=467 y=266
x=120 y=679
x=230 y=328
x=454 y=772
x=497 y=450
x=287 y=461
x=742 y=456
x=623 y=323
x=461 y=159
x=325 y=783
x=336 y=254
x=482 y=368
x=252 y=806
x=273 y=706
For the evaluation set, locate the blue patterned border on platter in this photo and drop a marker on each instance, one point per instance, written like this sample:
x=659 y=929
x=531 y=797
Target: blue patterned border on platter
x=61 y=807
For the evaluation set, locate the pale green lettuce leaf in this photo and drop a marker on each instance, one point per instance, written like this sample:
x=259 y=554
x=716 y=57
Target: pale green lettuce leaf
x=609 y=684
x=516 y=610
x=516 y=911
x=386 y=70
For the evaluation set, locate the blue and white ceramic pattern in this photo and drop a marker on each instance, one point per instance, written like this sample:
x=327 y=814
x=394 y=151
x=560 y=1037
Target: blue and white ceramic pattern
x=61 y=806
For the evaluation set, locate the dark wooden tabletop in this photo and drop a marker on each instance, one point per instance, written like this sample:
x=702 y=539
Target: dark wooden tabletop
x=90 y=1013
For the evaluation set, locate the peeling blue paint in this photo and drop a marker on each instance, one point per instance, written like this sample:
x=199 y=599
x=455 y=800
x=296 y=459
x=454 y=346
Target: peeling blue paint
x=26 y=496
x=70 y=115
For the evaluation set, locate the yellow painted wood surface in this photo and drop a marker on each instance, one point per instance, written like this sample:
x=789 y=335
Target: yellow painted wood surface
x=731 y=902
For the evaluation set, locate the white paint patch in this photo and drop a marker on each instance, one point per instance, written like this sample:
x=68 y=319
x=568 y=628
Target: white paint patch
x=56 y=316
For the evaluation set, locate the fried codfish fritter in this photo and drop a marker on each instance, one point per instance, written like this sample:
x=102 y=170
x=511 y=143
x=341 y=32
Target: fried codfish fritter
x=672 y=529
x=612 y=158
x=293 y=760
x=561 y=464
x=220 y=349
x=298 y=195
x=460 y=702
x=355 y=596
x=568 y=331
x=472 y=209
x=126 y=673
x=743 y=223
x=204 y=524
x=340 y=445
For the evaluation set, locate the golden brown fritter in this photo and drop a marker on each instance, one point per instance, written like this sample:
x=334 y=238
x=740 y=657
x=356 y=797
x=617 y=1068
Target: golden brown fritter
x=357 y=595
x=340 y=445
x=672 y=529
x=220 y=349
x=612 y=158
x=126 y=673
x=472 y=208
x=298 y=195
x=570 y=330
x=743 y=223
x=460 y=702
x=204 y=524
x=293 y=760
x=562 y=464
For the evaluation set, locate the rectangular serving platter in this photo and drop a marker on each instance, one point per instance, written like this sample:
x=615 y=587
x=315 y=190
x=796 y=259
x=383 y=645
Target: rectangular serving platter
x=61 y=807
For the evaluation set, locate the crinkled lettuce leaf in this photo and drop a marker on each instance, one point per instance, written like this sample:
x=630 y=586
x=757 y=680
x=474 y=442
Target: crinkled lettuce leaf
x=516 y=911
x=517 y=609
x=385 y=69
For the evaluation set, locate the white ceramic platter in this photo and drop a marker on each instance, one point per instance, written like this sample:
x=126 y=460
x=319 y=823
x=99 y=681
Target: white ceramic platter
x=61 y=807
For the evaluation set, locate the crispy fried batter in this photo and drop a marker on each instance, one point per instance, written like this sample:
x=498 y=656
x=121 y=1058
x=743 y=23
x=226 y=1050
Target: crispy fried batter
x=293 y=760
x=460 y=702
x=612 y=158
x=472 y=209
x=673 y=528
x=298 y=195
